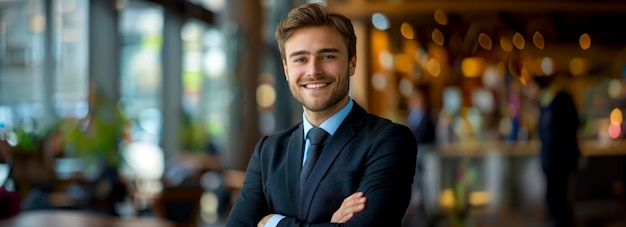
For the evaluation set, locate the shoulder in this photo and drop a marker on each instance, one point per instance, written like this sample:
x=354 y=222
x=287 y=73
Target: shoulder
x=280 y=135
x=380 y=125
x=376 y=124
x=564 y=98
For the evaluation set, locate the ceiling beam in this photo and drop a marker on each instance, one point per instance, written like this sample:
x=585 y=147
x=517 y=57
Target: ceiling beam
x=365 y=8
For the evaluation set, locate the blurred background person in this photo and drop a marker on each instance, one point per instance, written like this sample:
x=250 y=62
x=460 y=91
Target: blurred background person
x=557 y=127
x=419 y=119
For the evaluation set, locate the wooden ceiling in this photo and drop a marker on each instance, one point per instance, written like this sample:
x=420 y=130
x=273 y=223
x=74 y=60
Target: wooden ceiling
x=561 y=21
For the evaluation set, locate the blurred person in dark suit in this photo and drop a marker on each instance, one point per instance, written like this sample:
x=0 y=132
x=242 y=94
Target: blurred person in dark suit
x=364 y=173
x=419 y=119
x=557 y=127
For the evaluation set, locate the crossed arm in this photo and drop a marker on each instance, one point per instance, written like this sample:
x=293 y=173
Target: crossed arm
x=385 y=181
x=351 y=205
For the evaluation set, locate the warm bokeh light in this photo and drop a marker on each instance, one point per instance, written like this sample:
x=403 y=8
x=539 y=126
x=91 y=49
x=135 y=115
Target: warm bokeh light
x=518 y=41
x=538 y=40
x=437 y=37
x=433 y=67
x=616 y=116
x=524 y=76
x=506 y=44
x=579 y=66
x=446 y=198
x=585 y=41
x=407 y=31
x=479 y=198
x=265 y=95
x=485 y=41
x=473 y=67
x=441 y=17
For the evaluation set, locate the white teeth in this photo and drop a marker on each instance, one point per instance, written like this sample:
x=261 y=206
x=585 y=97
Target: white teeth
x=318 y=85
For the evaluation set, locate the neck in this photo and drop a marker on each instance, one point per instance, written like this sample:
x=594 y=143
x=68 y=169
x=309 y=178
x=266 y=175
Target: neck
x=316 y=118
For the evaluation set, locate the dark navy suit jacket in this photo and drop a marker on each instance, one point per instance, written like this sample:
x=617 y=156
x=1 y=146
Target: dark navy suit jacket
x=366 y=154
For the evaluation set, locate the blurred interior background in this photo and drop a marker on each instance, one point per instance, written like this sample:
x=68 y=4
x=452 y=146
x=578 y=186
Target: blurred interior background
x=151 y=108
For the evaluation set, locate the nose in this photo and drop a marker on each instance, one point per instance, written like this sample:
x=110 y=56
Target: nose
x=314 y=67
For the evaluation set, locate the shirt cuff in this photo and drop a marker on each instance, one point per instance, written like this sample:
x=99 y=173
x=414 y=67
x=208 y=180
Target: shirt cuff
x=273 y=222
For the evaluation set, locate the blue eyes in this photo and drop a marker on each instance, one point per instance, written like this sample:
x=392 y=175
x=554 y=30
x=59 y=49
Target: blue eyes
x=325 y=57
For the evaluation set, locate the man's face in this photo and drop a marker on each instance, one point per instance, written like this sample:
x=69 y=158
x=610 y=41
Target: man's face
x=317 y=68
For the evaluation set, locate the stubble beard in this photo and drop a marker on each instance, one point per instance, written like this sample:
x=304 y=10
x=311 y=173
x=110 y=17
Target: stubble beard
x=335 y=98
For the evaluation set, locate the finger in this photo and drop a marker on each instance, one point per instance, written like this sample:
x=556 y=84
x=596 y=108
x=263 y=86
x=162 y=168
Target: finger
x=350 y=205
x=346 y=211
x=346 y=217
x=355 y=207
x=354 y=195
x=352 y=199
x=354 y=203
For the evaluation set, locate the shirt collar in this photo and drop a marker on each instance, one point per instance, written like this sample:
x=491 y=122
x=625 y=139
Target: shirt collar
x=331 y=124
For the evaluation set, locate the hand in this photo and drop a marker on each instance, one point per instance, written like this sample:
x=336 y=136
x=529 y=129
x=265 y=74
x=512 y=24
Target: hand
x=352 y=204
x=264 y=220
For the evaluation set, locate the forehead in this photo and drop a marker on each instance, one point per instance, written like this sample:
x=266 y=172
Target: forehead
x=314 y=38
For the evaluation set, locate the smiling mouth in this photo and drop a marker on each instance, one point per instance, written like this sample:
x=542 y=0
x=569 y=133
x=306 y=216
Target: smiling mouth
x=316 y=85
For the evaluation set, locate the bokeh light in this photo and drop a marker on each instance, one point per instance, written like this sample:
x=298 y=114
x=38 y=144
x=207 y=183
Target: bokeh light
x=437 y=37
x=518 y=41
x=407 y=31
x=585 y=41
x=615 y=88
x=547 y=66
x=484 y=41
x=380 y=21
x=441 y=17
x=539 y=40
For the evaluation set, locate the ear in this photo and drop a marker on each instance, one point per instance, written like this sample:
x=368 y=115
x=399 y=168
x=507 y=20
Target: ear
x=285 y=70
x=352 y=65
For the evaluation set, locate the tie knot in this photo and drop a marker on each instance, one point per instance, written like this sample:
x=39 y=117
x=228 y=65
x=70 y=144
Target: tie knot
x=317 y=135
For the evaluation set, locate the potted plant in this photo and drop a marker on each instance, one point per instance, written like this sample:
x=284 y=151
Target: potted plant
x=95 y=138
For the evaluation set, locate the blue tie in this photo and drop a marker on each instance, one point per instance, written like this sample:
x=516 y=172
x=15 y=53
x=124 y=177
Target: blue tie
x=316 y=136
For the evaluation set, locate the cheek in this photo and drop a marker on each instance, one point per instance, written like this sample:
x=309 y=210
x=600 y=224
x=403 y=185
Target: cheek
x=292 y=73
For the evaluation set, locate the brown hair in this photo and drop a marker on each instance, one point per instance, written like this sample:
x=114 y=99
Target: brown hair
x=314 y=14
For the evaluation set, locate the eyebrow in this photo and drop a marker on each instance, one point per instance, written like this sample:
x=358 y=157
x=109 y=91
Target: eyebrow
x=324 y=50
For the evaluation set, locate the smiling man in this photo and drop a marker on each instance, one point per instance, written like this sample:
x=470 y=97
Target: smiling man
x=363 y=172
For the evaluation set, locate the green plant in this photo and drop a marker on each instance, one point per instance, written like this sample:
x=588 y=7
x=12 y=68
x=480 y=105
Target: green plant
x=27 y=139
x=97 y=136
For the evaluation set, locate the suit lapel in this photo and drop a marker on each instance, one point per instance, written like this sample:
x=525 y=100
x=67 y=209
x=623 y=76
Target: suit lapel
x=342 y=137
x=295 y=152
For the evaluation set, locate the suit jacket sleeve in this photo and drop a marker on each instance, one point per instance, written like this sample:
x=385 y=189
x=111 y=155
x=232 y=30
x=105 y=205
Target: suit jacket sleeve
x=250 y=206
x=388 y=168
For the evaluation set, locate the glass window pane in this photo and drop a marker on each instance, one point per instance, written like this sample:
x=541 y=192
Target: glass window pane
x=204 y=88
x=141 y=25
x=22 y=70
x=71 y=46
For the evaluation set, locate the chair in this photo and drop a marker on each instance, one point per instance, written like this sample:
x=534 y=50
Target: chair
x=180 y=204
